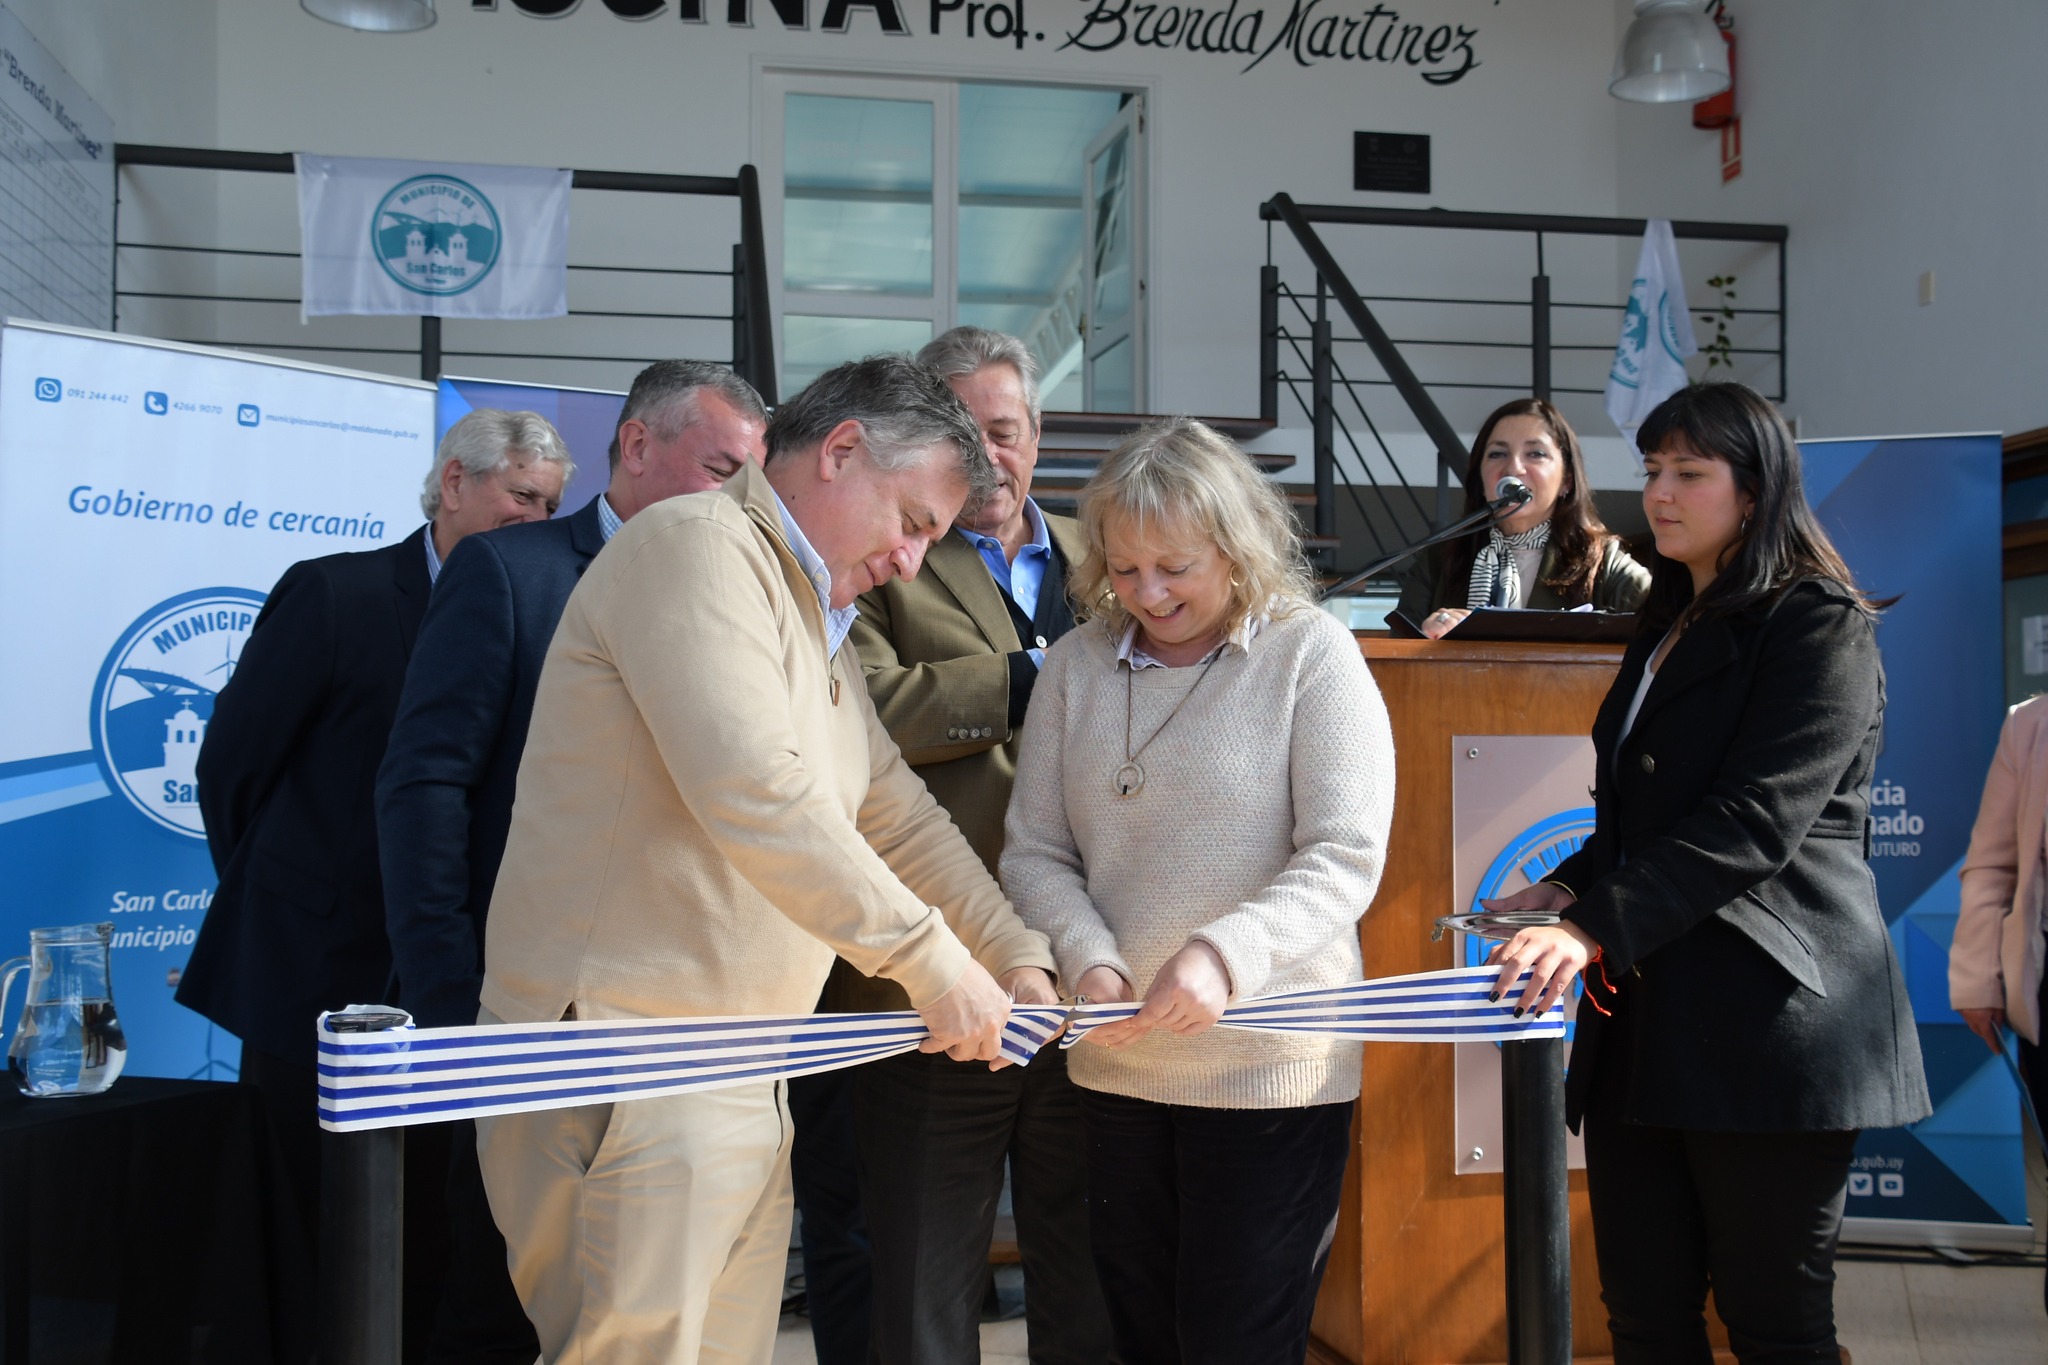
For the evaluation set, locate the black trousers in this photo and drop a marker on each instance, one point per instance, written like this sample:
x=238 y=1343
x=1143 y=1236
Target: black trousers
x=480 y=1321
x=1754 y=1215
x=933 y=1136
x=837 y=1282
x=1211 y=1226
x=290 y=1090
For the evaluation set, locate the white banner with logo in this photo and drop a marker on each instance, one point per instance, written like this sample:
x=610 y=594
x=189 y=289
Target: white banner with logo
x=150 y=495
x=1656 y=333
x=434 y=239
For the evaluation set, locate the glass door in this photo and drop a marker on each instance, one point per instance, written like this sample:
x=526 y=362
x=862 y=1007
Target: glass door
x=1113 y=280
x=895 y=208
x=866 y=221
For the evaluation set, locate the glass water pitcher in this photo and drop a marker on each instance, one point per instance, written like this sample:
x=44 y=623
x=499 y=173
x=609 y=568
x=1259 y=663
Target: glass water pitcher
x=69 y=1041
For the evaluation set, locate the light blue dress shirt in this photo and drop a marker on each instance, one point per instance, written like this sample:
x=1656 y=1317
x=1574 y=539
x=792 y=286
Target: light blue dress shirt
x=1022 y=577
x=837 y=621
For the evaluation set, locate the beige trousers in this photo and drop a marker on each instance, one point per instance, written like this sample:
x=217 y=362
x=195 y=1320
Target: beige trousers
x=653 y=1232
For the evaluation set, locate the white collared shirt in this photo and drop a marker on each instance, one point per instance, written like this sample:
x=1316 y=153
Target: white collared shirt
x=1127 y=651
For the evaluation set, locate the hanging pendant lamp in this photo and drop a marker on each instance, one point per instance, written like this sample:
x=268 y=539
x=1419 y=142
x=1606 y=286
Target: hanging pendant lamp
x=374 y=16
x=1672 y=52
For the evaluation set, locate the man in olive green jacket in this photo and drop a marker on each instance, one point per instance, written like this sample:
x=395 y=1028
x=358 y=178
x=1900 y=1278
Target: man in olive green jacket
x=950 y=660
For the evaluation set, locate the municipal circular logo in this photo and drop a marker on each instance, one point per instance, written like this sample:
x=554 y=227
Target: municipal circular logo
x=154 y=699
x=1528 y=858
x=435 y=234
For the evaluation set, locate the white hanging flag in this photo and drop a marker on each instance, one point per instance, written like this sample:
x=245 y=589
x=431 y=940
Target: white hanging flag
x=432 y=239
x=1656 y=333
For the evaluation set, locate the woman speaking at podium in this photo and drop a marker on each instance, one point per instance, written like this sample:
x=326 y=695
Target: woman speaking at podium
x=1551 y=553
x=1744 y=1015
x=1201 y=810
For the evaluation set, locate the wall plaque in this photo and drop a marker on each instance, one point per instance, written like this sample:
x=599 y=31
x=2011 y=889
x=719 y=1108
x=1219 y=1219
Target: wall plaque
x=1390 y=163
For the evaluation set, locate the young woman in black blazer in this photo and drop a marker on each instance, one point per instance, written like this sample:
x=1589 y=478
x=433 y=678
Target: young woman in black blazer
x=1744 y=1015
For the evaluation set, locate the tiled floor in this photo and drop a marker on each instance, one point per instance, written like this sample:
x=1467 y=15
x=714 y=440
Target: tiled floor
x=1926 y=1313
x=1891 y=1313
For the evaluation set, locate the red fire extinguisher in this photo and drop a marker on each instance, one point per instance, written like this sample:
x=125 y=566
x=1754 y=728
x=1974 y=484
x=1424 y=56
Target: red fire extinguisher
x=1719 y=111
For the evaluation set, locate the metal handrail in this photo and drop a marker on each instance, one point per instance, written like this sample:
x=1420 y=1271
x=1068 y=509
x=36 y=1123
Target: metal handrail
x=1558 y=224
x=753 y=332
x=1450 y=451
x=1325 y=381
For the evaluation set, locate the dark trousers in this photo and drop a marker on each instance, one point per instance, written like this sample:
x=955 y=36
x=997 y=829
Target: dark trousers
x=1754 y=1215
x=480 y=1321
x=837 y=1282
x=1211 y=1226
x=290 y=1091
x=934 y=1136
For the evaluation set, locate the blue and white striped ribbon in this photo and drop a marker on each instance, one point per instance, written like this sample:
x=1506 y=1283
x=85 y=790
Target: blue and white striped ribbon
x=1428 y=1007
x=413 y=1075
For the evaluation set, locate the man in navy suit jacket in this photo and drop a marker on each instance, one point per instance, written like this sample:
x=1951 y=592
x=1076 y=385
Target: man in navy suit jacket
x=444 y=791
x=286 y=769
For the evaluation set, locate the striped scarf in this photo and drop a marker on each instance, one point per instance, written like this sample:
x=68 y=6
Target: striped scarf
x=1495 y=580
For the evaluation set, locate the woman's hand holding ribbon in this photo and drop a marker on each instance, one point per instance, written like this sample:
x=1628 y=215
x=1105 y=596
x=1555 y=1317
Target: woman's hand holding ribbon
x=1551 y=954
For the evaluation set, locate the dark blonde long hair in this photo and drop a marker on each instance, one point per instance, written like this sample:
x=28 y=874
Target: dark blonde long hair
x=1577 y=534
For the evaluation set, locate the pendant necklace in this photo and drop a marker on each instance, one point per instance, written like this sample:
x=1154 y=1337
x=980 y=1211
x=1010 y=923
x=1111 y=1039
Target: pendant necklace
x=1130 y=779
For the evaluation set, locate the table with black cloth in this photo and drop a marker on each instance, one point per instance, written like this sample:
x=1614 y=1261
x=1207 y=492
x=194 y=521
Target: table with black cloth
x=149 y=1223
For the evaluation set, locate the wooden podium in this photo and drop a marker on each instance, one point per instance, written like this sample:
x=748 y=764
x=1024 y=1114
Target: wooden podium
x=1417 y=1273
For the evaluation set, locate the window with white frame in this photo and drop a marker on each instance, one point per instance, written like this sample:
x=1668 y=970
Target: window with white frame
x=900 y=207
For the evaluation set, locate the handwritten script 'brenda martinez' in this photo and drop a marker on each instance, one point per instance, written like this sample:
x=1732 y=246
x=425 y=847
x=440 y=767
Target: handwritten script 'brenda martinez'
x=1311 y=33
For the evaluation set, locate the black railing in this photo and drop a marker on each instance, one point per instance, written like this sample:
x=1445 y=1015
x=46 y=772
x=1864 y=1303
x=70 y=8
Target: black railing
x=1300 y=356
x=746 y=308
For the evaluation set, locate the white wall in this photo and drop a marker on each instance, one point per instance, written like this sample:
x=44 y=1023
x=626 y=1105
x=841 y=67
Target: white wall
x=1529 y=128
x=1894 y=138
x=152 y=69
x=149 y=66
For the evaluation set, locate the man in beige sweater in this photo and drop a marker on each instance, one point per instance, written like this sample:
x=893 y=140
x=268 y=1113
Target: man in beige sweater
x=708 y=811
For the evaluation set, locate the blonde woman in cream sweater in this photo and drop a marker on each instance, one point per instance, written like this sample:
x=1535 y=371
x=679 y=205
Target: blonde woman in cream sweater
x=1200 y=815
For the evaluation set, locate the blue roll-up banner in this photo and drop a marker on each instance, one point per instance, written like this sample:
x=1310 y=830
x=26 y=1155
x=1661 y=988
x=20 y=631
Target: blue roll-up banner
x=586 y=419
x=1917 y=518
x=150 y=495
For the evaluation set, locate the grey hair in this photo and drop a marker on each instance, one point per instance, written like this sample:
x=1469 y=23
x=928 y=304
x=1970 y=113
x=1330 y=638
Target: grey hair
x=664 y=398
x=485 y=442
x=962 y=351
x=905 y=411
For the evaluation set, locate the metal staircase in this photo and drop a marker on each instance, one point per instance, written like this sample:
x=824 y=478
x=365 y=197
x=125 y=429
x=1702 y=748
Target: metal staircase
x=1072 y=444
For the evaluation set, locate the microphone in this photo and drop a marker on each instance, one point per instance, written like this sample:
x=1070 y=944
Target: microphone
x=1509 y=492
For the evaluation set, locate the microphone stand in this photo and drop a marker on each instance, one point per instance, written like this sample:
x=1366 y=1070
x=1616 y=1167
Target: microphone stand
x=1454 y=531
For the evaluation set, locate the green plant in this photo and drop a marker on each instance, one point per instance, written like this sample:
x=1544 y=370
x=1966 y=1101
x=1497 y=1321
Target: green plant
x=1720 y=350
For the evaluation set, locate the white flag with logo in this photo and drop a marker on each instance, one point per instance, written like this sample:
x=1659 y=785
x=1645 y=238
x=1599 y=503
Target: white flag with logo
x=1656 y=333
x=432 y=239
